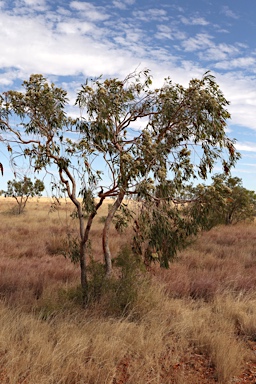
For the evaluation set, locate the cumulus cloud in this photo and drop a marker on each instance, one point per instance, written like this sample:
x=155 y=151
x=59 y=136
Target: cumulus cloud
x=67 y=47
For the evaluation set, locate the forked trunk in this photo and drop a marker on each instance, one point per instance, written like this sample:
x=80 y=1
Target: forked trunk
x=105 y=234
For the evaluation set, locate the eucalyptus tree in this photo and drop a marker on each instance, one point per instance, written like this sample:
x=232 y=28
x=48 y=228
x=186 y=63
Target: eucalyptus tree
x=37 y=127
x=21 y=190
x=225 y=201
x=143 y=135
x=146 y=136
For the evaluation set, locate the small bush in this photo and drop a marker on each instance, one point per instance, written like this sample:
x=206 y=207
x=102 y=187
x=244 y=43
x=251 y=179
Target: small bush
x=123 y=292
x=98 y=284
x=102 y=219
x=56 y=245
x=117 y=295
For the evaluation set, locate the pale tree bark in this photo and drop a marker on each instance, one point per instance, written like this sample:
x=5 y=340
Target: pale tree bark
x=105 y=234
x=71 y=190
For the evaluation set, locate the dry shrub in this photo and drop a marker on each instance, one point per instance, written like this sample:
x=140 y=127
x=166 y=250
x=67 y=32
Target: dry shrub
x=25 y=282
x=127 y=293
x=213 y=335
x=227 y=355
x=56 y=245
x=207 y=268
x=176 y=280
x=203 y=286
x=241 y=312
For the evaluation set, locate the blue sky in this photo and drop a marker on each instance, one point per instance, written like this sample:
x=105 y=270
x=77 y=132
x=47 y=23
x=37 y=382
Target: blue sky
x=68 y=41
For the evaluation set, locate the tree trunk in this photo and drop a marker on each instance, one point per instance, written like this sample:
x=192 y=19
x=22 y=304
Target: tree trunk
x=84 y=281
x=71 y=190
x=84 y=234
x=105 y=234
x=83 y=274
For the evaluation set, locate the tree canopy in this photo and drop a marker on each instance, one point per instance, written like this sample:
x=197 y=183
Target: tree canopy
x=181 y=135
x=144 y=137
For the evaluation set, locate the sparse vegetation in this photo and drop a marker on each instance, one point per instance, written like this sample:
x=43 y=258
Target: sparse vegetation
x=194 y=323
x=128 y=321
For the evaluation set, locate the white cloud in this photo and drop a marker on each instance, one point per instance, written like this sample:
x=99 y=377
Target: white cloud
x=36 y=45
x=248 y=147
x=89 y=11
x=151 y=14
x=30 y=6
x=35 y=3
x=240 y=62
x=213 y=53
x=228 y=12
x=218 y=52
x=9 y=76
x=139 y=124
x=166 y=32
x=123 y=4
x=240 y=90
x=221 y=30
x=119 y=4
x=208 y=50
x=194 y=21
x=199 y=42
x=74 y=26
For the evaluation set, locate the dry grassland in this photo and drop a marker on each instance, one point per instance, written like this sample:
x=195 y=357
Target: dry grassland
x=192 y=324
